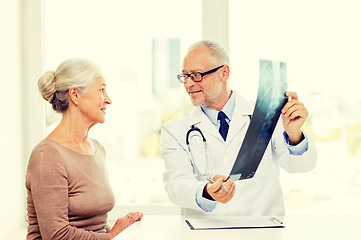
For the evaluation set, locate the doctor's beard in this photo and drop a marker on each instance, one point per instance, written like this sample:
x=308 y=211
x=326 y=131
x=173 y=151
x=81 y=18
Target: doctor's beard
x=209 y=98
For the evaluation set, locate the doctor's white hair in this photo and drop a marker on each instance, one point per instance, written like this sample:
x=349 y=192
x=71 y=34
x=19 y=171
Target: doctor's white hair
x=216 y=50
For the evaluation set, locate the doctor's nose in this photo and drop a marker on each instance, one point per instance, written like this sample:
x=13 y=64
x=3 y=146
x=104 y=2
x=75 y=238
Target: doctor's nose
x=189 y=82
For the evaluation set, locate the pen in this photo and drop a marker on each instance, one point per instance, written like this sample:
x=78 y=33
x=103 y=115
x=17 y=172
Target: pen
x=212 y=181
x=276 y=220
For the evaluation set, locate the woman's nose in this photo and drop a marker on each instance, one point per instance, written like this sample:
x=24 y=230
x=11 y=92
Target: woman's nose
x=107 y=99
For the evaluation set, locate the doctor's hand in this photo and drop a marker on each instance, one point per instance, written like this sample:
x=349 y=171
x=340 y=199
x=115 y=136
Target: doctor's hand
x=294 y=114
x=124 y=222
x=217 y=193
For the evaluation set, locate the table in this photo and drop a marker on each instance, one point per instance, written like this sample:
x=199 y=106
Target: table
x=173 y=227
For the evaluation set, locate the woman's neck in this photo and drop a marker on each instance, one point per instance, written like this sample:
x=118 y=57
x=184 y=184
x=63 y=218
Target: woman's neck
x=72 y=132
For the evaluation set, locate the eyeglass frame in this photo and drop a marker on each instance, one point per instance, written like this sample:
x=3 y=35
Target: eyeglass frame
x=191 y=75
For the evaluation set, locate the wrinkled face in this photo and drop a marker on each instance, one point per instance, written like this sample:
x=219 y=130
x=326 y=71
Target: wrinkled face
x=94 y=100
x=207 y=92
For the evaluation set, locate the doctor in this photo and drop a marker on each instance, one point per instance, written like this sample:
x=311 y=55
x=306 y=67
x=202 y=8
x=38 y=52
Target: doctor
x=204 y=143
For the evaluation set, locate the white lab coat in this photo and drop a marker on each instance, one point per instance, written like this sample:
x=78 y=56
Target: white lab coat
x=258 y=196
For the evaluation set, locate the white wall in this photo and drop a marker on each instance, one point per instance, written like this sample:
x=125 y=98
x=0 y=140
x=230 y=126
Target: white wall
x=215 y=21
x=12 y=194
x=21 y=107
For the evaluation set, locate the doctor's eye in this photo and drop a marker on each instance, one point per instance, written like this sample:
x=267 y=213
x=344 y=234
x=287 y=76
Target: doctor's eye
x=196 y=76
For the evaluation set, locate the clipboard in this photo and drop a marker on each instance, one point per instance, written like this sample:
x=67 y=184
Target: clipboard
x=234 y=223
x=270 y=101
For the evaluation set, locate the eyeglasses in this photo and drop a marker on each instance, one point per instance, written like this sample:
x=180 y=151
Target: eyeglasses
x=196 y=76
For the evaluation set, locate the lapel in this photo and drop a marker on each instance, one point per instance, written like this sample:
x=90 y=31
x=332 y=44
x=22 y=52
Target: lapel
x=199 y=119
x=240 y=117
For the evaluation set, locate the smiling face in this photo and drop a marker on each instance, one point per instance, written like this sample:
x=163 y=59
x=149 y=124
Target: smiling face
x=212 y=90
x=94 y=100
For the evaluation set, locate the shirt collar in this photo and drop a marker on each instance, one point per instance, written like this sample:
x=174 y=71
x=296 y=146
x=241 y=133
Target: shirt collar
x=227 y=109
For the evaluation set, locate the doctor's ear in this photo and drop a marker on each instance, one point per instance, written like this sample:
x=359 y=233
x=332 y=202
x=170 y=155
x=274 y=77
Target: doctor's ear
x=225 y=73
x=74 y=95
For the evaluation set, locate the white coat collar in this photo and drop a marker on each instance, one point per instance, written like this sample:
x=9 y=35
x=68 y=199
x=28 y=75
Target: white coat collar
x=240 y=116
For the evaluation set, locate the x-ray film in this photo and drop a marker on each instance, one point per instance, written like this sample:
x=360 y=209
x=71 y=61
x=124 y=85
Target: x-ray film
x=270 y=101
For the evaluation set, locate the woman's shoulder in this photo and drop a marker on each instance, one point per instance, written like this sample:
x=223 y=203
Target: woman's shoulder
x=45 y=151
x=46 y=160
x=45 y=146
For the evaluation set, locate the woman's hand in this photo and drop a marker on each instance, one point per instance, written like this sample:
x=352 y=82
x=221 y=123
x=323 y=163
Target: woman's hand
x=124 y=222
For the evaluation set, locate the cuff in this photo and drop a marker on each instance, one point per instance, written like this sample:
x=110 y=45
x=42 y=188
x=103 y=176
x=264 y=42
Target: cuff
x=298 y=149
x=204 y=203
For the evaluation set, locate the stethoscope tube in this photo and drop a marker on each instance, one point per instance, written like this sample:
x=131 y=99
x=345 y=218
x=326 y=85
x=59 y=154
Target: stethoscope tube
x=196 y=171
x=193 y=128
x=195 y=168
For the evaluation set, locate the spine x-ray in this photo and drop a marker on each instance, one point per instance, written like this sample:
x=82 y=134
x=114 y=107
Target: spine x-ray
x=270 y=101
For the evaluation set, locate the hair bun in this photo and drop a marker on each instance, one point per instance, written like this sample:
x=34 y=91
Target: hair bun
x=46 y=85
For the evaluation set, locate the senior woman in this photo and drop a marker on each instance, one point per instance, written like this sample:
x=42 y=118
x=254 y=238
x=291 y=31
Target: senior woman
x=68 y=193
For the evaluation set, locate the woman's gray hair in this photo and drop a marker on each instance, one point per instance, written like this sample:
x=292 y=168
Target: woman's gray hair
x=75 y=72
x=216 y=50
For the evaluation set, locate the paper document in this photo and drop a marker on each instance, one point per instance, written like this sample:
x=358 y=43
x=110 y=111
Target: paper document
x=236 y=223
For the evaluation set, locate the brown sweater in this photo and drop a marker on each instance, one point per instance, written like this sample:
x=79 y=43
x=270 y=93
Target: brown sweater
x=69 y=195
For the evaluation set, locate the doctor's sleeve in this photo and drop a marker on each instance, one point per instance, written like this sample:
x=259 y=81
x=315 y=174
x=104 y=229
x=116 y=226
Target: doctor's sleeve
x=179 y=180
x=294 y=159
x=204 y=203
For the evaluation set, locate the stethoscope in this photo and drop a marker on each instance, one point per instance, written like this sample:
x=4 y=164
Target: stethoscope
x=196 y=170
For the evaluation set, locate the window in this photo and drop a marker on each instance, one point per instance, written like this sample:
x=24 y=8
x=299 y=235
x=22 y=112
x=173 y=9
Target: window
x=319 y=42
x=138 y=45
